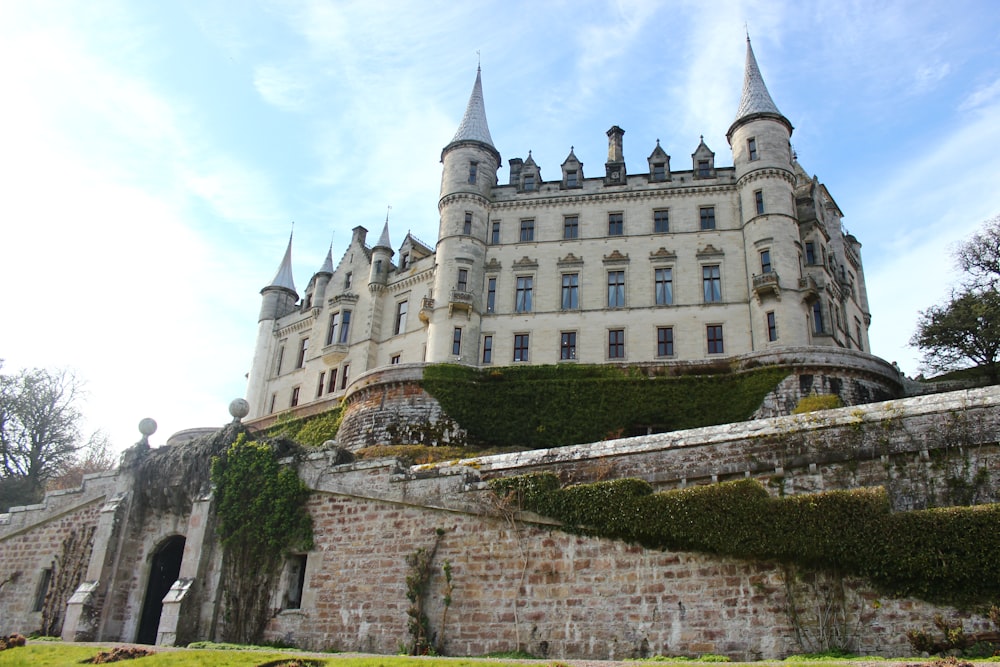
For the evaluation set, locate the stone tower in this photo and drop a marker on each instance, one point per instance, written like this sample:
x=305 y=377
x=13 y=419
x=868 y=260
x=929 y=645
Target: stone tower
x=765 y=180
x=468 y=175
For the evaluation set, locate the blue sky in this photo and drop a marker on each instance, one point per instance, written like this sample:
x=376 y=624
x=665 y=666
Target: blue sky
x=155 y=154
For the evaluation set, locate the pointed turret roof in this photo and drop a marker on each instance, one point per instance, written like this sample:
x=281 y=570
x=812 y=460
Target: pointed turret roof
x=474 y=126
x=328 y=262
x=755 y=101
x=283 y=278
x=383 y=239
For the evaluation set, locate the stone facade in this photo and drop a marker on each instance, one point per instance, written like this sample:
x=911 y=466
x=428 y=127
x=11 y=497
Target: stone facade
x=517 y=581
x=675 y=264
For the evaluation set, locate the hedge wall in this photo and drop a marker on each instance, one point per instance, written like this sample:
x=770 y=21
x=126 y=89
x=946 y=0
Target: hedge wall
x=948 y=555
x=548 y=406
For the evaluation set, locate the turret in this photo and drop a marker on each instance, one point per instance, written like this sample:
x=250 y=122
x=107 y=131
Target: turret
x=381 y=259
x=469 y=174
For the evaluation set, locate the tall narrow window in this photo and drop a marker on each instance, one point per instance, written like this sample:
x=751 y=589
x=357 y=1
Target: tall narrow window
x=758 y=201
x=331 y=332
x=42 y=590
x=467 y=225
x=473 y=170
x=456 y=342
x=487 y=349
x=664 y=341
x=857 y=328
x=495 y=233
x=278 y=359
x=707 y=217
x=714 y=332
x=765 y=261
x=810 y=252
x=296 y=581
x=661 y=222
x=571 y=227
x=522 y=297
x=295 y=397
x=664 y=286
x=491 y=295
x=570 y=291
x=520 y=347
x=332 y=386
x=616 y=289
x=345 y=327
x=659 y=171
x=378 y=266
x=711 y=278
x=321 y=385
x=527 y=230
x=817 y=317
x=348 y=279
x=274 y=399
x=772 y=326
x=462 y=285
x=400 y=324
x=344 y=376
x=616 y=344
x=616 y=224
x=567 y=345
x=300 y=361
x=404 y=260
x=752 y=148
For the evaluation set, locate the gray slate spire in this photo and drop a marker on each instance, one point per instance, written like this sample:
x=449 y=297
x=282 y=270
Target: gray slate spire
x=383 y=239
x=328 y=262
x=283 y=278
x=756 y=99
x=474 y=126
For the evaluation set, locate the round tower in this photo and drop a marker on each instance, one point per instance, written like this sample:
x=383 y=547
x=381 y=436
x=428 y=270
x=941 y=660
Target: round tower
x=468 y=176
x=762 y=157
x=278 y=299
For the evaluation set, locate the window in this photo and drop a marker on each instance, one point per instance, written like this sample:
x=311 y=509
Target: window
x=664 y=286
x=487 y=349
x=664 y=341
x=462 y=285
x=752 y=148
x=570 y=291
x=278 y=359
x=616 y=224
x=616 y=289
x=491 y=295
x=343 y=376
x=274 y=399
x=296 y=581
x=567 y=345
x=711 y=279
x=295 y=397
x=772 y=327
x=529 y=182
x=765 y=261
x=520 y=347
x=715 y=339
x=467 y=225
x=857 y=328
x=661 y=222
x=522 y=297
x=659 y=171
x=331 y=332
x=456 y=342
x=616 y=344
x=43 y=589
x=495 y=233
x=758 y=201
x=527 y=230
x=404 y=260
x=571 y=227
x=708 y=217
x=704 y=171
x=394 y=359
x=332 y=386
x=818 y=317
x=378 y=266
x=348 y=279
x=473 y=170
x=345 y=327
x=400 y=325
x=571 y=179
x=810 y=252
x=321 y=384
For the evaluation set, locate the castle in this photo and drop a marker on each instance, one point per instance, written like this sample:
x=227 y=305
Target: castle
x=662 y=267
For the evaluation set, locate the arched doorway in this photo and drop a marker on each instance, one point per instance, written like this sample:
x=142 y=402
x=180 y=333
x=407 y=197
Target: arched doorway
x=162 y=574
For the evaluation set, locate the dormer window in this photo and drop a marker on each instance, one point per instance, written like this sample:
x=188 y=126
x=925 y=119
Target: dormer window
x=473 y=169
x=704 y=170
x=404 y=260
x=659 y=172
x=529 y=182
x=347 y=280
x=571 y=179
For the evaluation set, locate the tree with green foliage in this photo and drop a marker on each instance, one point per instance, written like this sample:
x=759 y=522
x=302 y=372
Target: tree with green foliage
x=262 y=516
x=963 y=331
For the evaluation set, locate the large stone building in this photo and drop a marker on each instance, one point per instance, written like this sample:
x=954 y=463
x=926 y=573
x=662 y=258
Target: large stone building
x=666 y=266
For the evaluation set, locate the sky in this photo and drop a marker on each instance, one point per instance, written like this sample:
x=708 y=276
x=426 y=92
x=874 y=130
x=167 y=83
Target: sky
x=155 y=155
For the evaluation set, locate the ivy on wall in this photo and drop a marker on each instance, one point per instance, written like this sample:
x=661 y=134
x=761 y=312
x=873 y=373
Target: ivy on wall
x=312 y=431
x=548 y=406
x=260 y=505
x=947 y=555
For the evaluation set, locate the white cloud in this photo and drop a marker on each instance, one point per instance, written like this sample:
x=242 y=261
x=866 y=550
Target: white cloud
x=982 y=96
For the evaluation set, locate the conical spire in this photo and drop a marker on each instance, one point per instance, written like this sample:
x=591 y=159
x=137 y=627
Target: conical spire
x=383 y=239
x=755 y=98
x=328 y=262
x=474 y=126
x=283 y=278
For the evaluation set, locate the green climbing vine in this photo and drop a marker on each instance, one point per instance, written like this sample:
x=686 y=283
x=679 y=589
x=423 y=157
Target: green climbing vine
x=261 y=516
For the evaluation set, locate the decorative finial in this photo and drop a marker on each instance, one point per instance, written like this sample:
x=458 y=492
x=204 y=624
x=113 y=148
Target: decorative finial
x=747 y=29
x=657 y=141
x=529 y=152
x=239 y=409
x=147 y=427
x=702 y=138
x=479 y=61
x=388 y=208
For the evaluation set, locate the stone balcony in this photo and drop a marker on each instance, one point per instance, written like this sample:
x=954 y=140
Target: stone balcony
x=426 y=308
x=766 y=284
x=460 y=300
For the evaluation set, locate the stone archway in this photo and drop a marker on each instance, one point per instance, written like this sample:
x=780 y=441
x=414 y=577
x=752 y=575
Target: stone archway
x=163 y=573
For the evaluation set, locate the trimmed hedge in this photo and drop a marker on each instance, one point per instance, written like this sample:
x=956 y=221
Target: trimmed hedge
x=949 y=555
x=550 y=406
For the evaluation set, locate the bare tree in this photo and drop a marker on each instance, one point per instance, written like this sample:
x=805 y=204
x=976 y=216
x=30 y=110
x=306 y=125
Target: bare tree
x=95 y=456
x=979 y=257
